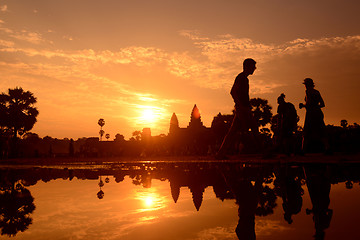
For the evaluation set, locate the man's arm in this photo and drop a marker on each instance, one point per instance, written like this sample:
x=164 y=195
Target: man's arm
x=240 y=92
x=321 y=101
x=235 y=94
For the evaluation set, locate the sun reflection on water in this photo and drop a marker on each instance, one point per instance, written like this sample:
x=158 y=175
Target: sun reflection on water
x=150 y=201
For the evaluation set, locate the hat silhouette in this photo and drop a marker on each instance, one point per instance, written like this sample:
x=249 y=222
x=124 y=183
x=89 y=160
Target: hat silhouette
x=308 y=81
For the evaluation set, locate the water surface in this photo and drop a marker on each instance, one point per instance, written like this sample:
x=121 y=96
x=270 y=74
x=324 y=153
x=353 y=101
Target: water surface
x=181 y=201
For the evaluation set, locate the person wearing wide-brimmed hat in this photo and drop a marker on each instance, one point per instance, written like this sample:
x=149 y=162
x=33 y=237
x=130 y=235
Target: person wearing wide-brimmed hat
x=314 y=126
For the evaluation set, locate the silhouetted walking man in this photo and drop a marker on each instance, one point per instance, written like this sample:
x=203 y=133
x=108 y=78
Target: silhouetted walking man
x=314 y=126
x=243 y=119
x=287 y=124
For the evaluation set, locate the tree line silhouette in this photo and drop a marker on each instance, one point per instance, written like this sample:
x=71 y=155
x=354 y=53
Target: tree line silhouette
x=254 y=188
x=18 y=115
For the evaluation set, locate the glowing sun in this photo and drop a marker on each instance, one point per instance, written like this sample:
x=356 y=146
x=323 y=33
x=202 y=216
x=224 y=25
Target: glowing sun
x=149 y=201
x=148 y=115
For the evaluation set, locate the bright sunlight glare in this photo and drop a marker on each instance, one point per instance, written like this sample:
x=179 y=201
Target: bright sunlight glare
x=149 y=201
x=149 y=115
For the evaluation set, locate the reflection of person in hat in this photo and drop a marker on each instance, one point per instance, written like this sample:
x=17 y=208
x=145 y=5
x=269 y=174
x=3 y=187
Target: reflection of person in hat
x=314 y=126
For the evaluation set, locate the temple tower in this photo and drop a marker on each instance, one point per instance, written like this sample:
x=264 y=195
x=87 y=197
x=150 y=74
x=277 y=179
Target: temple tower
x=174 y=124
x=195 y=118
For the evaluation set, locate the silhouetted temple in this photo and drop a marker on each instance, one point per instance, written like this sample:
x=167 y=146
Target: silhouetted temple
x=194 y=139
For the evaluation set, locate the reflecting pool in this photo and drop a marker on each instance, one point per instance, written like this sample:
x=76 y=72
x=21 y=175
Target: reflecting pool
x=180 y=201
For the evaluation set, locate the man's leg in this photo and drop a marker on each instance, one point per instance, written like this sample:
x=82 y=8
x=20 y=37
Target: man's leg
x=255 y=133
x=229 y=138
x=304 y=144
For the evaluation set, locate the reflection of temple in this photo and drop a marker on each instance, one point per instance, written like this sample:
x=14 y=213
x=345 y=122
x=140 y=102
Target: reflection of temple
x=194 y=139
x=196 y=182
x=228 y=181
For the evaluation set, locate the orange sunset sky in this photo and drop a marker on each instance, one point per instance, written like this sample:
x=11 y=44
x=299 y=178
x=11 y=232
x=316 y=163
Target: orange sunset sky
x=134 y=63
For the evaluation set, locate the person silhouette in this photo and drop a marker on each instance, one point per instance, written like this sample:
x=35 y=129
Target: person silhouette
x=247 y=197
x=319 y=186
x=288 y=186
x=287 y=124
x=243 y=118
x=314 y=126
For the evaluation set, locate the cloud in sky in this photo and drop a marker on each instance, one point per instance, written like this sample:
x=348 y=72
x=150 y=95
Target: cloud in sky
x=220 y=58
x=216 y=233
x=4 y=8
x=31 y=37
x=224 y=58
x=5 y=43
x=23 y=35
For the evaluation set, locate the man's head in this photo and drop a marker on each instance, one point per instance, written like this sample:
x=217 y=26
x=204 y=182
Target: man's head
x=281 y=99
x=249 y=66
x=309 y=83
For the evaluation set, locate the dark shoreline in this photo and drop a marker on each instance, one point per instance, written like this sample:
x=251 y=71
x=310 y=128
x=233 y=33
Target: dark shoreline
x=246 y=158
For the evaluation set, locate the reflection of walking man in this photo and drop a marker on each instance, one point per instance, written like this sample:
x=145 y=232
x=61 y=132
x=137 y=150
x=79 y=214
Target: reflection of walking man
x=319 y=186
x=247 y=197
x=243 y=119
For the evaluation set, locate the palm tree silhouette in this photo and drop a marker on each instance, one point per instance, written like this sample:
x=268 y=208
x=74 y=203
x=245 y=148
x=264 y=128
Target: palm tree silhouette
x=101 y=123
x=101 y=193
x=107 y=136
x=344 y=123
